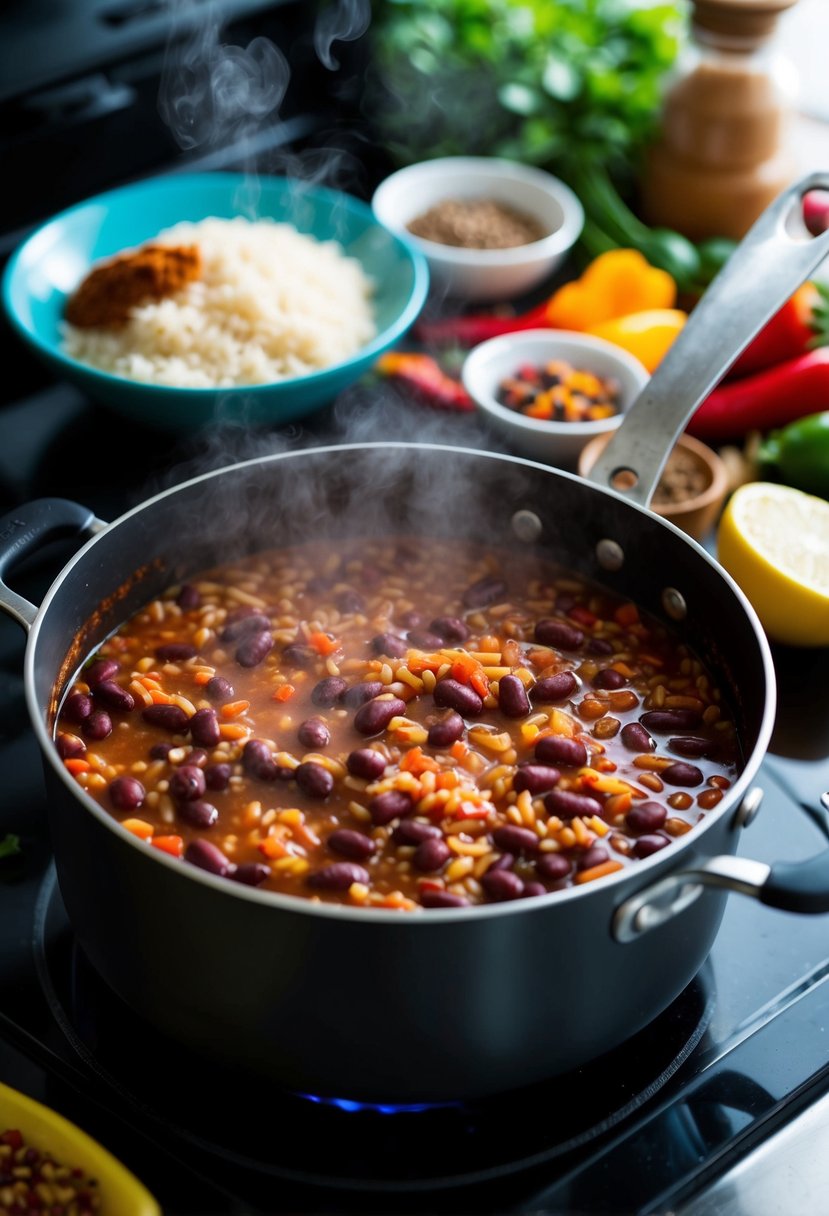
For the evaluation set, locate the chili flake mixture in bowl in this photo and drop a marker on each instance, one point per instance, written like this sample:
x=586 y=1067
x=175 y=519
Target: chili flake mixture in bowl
x=401 y=723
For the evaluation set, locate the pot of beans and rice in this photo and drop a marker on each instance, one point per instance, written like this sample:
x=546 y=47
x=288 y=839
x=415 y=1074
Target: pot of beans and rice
x=393 y=771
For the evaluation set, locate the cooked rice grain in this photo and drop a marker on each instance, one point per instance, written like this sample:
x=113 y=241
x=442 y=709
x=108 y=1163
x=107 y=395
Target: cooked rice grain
x=272 y=303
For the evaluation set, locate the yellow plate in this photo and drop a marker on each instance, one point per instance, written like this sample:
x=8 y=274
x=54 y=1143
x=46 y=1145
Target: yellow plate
x=44 y=1129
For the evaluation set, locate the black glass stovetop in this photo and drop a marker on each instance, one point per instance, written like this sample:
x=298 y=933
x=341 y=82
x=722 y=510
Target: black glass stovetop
x=641 y=1130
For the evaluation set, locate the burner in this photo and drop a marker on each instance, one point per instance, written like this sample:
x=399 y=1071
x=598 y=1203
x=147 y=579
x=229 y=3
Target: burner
x=375 y=1147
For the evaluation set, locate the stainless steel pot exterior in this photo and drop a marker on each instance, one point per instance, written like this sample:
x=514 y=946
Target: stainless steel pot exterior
x=382 y=1005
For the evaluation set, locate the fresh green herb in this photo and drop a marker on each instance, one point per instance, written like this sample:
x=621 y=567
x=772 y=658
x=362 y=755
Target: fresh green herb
x=571 y=85
x=9 y=845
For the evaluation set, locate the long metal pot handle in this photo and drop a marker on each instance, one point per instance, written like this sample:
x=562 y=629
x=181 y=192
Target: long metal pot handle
x=799 y=886
x=27 y=529
x=768 y=266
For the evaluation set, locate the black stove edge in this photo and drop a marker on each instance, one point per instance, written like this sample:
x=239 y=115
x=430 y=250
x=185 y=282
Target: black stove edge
x=690 y=1140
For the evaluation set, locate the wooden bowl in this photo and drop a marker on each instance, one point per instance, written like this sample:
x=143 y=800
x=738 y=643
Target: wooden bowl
x=697 y=512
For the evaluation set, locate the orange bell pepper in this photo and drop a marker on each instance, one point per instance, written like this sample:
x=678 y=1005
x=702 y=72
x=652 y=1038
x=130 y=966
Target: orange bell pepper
x=616 y=283
x=646 y=335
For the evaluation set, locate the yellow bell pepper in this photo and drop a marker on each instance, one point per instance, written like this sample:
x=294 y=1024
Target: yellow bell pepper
x=616 y=283
x=646 y=335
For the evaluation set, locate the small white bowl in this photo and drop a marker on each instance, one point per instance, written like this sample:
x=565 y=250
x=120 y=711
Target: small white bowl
x=555 y=443
x=483 y=274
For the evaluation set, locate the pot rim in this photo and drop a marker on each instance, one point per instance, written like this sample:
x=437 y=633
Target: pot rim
x=620 y=882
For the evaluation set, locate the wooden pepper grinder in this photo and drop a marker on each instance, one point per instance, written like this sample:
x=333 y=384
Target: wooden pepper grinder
x=724 y=151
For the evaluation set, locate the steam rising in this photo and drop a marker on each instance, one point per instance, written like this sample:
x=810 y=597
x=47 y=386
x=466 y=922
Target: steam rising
x=340 y=22
x=211 y=93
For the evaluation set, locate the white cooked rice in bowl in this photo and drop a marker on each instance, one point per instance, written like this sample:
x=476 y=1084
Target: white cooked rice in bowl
x=272 y=303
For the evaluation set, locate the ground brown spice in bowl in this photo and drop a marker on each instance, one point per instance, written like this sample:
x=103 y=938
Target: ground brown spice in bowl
x=476 y=224
x=683 y=477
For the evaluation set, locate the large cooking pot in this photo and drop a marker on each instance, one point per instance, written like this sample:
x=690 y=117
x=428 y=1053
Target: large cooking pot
x=452 y=1003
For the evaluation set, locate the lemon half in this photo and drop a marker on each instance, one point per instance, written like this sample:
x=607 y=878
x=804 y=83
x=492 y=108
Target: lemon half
x=774 y=542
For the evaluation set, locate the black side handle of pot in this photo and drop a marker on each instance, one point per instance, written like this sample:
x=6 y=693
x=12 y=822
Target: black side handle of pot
x=30 y=527
x=798 y=886
x=791 y=886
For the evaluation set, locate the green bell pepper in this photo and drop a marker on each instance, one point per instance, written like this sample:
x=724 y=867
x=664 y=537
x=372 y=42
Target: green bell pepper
x=798 y=454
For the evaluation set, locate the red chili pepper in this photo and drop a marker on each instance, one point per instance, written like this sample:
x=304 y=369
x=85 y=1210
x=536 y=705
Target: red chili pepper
x=769 y=398
x=802 y=323
x=427 y=379
x=473 y=328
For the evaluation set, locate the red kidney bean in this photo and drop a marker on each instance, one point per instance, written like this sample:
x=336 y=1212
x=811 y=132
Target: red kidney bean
x=681 y=773
x=206 y=856
x=257 y=760
x=505 y=862
x=599 y=646
x=338 y=877
x=567 y=804
x=328 y=691
x=199 y=814
x=487 y=590
x=69 y=746
x=77 y=707
x=554 y=688
x=98 y=725
x=664 y=720
x=188 y=598
x=512 y=697
x=424 y=639
x=451 y=694
x=101 y=669
x=502 y=885
x=204 y=728
x=692 y=746
x=169 y=717
x=647 y=845
x=450 y=628
x=318 y=584
x=114 y=696
x=314 y=733
x=559 y=749
x=442 y=899
x=431 y=855
x=187 y=783
x=389 y=644
x=608 y=677
x=350 y=601
x=175 y=652
x=392 y=804
x=646 y=817
x=513 y=839
x=412 y=831
x=254 y=648
x=636 y=738
x=217 y=776
x=219 y=689
x=355 y=845
x=297 y=655
x=358 y=694
x=197 y=755
x=410 y=619
x=314 y=780
x=532 y=890
x=537 y=778
x=446 y=730
x=126 y=793
x=594 y=856
x=242 y=627
x=549 y=632
x=365 y=762
x=251 y=873
x=374 y=716
x=553 y=866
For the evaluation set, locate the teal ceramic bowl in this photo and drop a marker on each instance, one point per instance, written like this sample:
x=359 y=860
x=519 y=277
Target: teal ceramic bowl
x=53 y=260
